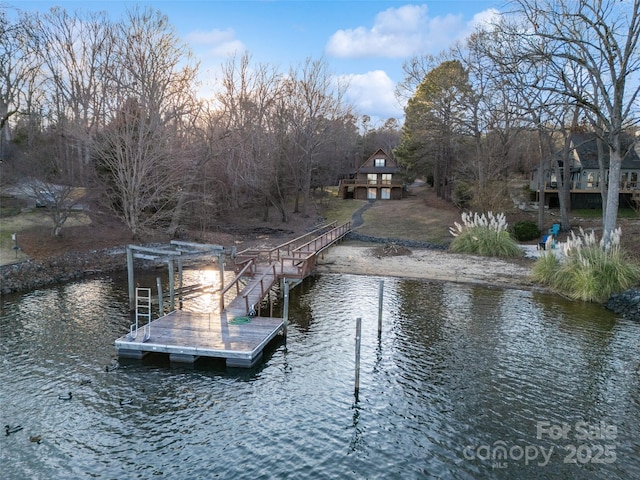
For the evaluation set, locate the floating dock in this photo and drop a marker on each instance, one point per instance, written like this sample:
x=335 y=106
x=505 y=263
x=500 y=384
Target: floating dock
x=187 y=336
x=238 y=332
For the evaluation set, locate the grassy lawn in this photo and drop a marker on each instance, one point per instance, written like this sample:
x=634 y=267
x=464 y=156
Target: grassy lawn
x=420 y=217
x=597 y=213
x=337 y=209
x=25 y=221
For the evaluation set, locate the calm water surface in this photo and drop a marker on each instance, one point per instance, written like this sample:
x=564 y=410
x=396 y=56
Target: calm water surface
x=465 y=383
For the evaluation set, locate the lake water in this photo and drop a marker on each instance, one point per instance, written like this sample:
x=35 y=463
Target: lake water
x=465 y=383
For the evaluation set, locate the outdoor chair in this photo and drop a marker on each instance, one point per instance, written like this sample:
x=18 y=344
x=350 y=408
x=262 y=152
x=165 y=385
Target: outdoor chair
x=554 y=230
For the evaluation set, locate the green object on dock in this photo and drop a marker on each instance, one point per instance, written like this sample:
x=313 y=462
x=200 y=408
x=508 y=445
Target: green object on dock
x=239 y=320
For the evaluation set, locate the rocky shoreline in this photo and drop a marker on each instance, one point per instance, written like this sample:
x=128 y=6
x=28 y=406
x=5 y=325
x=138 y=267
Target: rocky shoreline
x=626 y=304
x=31 y=274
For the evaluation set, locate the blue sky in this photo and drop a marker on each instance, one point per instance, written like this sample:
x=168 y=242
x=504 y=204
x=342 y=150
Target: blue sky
x=364 y=41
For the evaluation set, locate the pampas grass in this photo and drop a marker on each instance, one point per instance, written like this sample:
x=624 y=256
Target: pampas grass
x=483 y=235
x=590 y=271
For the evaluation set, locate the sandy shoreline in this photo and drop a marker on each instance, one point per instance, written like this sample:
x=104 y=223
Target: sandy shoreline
x=425 y=264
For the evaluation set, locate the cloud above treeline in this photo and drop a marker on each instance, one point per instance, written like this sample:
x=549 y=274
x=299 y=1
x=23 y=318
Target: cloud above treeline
x=218 y=43
x=372 y=93
x=404 y=32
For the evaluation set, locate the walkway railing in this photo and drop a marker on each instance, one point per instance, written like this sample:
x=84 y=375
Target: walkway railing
x=273 y=254
x=250 y=266
x=265 y=286
x=296 y=259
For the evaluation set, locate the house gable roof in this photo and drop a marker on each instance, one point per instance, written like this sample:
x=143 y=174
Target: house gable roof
x=586 y=152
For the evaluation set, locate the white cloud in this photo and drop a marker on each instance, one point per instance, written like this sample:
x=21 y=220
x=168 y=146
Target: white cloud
x=212 y=48
x=486 y=17
x=372 y=94
x=215 y=43
x=403 y=32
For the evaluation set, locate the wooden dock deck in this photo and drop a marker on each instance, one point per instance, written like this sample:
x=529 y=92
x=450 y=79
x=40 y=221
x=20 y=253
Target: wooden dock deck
x=238 y=332
x=187 y=336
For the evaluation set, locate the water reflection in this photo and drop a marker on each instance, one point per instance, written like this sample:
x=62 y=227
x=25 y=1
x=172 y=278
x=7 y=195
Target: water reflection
x=459 y=370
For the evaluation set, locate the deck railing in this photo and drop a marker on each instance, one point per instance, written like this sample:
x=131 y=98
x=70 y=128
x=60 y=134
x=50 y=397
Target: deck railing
x=249 y=266
x=300 y=256
x=263 y=289
x=364 y=182
x=320 y=243
x=585 y=186
x=273 y=254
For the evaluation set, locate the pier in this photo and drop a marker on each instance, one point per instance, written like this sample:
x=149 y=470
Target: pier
x=239 y=330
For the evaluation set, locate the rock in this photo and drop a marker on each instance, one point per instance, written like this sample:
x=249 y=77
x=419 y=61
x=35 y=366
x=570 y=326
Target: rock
x=626 y=304
x=30 y=274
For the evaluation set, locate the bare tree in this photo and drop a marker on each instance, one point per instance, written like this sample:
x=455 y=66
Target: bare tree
x=314 y=100
x=138 y=153
x=598 y=38
x=77 y=54
x=249 y=97
x=19 y=68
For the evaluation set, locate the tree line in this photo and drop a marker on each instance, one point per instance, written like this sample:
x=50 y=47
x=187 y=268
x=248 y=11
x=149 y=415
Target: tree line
x=517 y=89
x=112 y=105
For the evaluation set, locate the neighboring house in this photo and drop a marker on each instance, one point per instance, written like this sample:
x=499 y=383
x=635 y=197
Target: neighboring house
x=378 y=178
x=586 y=180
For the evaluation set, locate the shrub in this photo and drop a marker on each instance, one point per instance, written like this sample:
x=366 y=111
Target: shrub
x=589 y=271
x=525 y=230
x=462 y=195
x=484 y=235
x=546 y=268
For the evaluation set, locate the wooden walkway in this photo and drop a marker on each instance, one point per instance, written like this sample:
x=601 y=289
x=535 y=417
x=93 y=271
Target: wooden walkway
x=239 y=332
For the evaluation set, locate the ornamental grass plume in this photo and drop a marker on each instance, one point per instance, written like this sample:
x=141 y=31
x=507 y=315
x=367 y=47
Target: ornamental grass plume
x=483 y=235
x=591 y=270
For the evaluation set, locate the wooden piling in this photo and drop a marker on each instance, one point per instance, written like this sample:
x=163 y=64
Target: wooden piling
x=285 y=308
x=160 y=300
x=221 y=267
x=380 y=302
x=130 y=279
x=358 y=336
x=172 y=285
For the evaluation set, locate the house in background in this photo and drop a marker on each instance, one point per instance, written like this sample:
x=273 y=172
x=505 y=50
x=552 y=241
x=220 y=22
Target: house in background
x=378 y=178
x=585 y=178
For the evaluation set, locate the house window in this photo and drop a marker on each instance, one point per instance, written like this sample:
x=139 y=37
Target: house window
x=379 y=162
x=386 y=179
x=372 y=193
x=372 y=178
x=633 y=182
x=623 y=180
x=385 y=193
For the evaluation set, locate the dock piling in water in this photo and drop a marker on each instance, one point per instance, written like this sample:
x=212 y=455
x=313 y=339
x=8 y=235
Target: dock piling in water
x=380 y=302
x=358 y=337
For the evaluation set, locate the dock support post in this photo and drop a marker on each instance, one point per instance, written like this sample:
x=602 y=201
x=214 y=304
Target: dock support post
x=221 y=266
x=380 y=300
x=172 y=285
x=285 y=309
x=358 y=336
x=180 y=280
x=130 y=279
x=160 y=300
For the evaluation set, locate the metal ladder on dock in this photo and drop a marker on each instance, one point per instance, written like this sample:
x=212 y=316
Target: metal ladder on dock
x=143 y=311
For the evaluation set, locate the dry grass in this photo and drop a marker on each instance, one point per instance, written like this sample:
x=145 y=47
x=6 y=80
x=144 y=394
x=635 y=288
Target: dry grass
x=422 y=216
